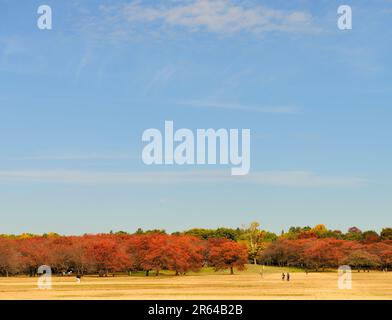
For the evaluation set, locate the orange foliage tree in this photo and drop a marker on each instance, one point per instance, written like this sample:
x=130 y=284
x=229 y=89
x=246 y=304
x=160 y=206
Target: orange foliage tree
x=224 y=254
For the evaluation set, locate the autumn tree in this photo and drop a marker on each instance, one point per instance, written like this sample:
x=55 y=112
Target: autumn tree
x=224 y=254
x=184 y=254
x=322 y=253
x=383 y=251
x=9 y=257
x=61 y=254
x=254 y=238
x=155 y=255
x=320 y=230
x=284 y=253
x=105 y=255
x=361 y=259
x=33 y=252
x=135 y=248
x=370 y=236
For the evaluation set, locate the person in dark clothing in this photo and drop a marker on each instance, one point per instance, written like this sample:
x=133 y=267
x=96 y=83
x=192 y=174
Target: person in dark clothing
x=283 y=276
x=288 y=276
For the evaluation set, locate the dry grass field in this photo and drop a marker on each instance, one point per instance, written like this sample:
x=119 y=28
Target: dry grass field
x=205 y=285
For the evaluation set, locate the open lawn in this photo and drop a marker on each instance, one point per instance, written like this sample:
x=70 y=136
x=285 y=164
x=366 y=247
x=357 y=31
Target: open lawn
x=206 y=284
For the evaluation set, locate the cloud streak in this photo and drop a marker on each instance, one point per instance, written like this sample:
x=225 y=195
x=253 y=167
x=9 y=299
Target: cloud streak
x=160 y=78
x=240 y=107
x=84 y=156
x=215 y=16
x=298 y=179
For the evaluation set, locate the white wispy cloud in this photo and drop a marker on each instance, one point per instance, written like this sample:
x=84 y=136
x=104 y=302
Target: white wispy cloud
x=82 y=156
x=239 y=107
x=160 y=78
x=303 y=179
x=216 y=16
x=83 y=63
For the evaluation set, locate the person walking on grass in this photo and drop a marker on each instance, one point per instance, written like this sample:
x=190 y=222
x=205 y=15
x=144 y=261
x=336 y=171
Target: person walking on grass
x=283 y=276
x=288 y=276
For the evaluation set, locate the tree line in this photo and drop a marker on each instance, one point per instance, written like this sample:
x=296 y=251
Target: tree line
x=314 y=248
x=316 y=254
x=112 y=253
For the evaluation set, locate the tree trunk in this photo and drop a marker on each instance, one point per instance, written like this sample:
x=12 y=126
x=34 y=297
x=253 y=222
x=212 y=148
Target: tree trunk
x=254 y=260
x=231 y=270
x=147 y=273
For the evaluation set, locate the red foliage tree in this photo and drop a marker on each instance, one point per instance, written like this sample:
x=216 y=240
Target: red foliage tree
x=153 y=252
x=323 y=253
x=223 y=254
x=33 y=252
x=185 y=254
x=9 y=257
x=104 y=255
x=383 y=251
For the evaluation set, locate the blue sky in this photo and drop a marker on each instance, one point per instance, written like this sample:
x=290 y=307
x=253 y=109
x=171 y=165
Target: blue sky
x=75 y=100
